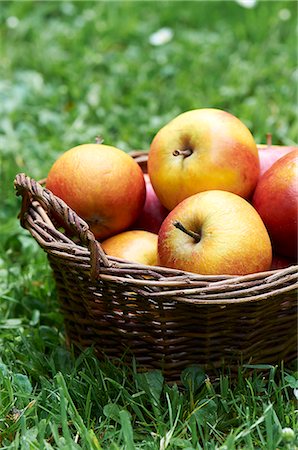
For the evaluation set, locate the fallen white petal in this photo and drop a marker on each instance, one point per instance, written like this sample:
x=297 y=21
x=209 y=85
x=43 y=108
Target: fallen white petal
x=247 y=3
x=161 y=36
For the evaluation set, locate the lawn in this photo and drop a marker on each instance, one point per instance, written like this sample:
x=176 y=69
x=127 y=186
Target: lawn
x=71 y=71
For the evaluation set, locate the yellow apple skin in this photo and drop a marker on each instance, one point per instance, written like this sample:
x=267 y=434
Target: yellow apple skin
x=137 y=246
x=223 y=156
x=102 y=184
x=233 y=238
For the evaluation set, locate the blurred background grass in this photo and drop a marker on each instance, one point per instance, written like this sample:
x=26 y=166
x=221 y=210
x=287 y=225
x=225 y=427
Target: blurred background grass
x=73 y=70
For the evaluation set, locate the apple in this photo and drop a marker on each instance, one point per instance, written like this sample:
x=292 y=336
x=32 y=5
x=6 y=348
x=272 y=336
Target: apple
x=200 y=150
x=153 y=212
x=276 y=200
x=281 y=262
x=269 y=153
x=102 y=184
x=214 y=232
x=134 y=245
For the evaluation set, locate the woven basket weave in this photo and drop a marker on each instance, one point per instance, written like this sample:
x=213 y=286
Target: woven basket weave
x=166 y=319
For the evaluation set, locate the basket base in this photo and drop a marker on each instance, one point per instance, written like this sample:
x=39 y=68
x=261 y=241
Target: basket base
x=230 y=365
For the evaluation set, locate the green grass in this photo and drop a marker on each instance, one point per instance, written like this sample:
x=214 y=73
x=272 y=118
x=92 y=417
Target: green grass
x=74 y=70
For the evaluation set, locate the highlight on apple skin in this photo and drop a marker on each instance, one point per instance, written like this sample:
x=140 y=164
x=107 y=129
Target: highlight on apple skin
x=214 y=232
x=102 y=184
x=200 y=150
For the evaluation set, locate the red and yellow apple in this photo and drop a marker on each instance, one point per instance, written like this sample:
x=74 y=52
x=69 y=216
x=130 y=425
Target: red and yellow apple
x=134 y=245
x=102 y=184
x=276 y=200
x=200 y=150
x=153 y=212
x=214 y=232
x=269 y=153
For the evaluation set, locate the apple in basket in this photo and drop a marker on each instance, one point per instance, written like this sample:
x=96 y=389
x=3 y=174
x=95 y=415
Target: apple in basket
x=200 y=150
x=214 y=232
x=153 y=212
x=281 y=262
x=137 y=246
x=269 y=153
x=276 y=200
x=102 y=184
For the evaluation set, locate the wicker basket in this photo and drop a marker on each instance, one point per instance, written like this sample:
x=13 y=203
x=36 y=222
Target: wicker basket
x=166 y=319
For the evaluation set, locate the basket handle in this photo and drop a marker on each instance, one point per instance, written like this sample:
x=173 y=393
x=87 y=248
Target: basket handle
x=31 y=190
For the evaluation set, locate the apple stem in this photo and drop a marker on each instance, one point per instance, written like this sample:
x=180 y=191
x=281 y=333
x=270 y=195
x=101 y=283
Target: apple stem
x=186 y=152
x=99 y=140
x=193 y=234
x=269 y=139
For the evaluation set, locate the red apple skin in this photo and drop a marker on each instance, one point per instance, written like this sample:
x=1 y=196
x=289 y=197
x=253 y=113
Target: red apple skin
x=233 y=240
x=222 y=155
x=153 y=212
x=281 y=262
x=276 y=200
x=268 y=154
x=137 y=246
x=102 y=184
